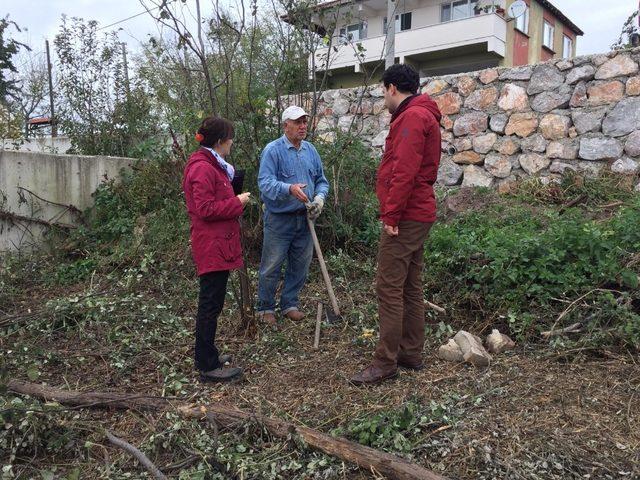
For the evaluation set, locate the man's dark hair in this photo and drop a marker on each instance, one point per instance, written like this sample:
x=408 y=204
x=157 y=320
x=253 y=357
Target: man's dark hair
x=215 y=129
x=404 y=77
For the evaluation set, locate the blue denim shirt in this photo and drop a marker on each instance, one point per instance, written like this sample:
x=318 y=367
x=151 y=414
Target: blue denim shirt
x=282 y=165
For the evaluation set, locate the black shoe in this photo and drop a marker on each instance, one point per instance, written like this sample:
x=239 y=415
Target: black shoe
x=411 y=366
x=221 y=375
x=226 y=358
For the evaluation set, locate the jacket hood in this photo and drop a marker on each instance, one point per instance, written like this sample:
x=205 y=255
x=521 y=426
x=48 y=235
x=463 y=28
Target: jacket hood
x=419 y=101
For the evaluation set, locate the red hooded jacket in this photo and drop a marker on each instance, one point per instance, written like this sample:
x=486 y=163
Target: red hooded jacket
x=214 y=210
x=409 y=166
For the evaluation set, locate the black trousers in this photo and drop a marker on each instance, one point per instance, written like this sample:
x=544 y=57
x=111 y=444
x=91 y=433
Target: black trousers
x=213 y=287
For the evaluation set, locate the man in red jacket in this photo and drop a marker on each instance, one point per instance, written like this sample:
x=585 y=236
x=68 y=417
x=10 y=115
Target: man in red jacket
x=404 y=187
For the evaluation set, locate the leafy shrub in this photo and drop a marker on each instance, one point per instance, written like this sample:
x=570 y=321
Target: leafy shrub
x=515 y=261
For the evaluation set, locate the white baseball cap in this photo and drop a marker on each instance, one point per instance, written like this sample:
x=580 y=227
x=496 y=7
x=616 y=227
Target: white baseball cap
x=293 y=113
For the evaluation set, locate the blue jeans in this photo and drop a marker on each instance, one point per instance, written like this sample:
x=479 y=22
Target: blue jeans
x=286 y=237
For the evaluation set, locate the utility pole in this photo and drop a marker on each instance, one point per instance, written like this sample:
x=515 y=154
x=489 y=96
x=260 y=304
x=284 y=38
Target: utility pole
x=52 y=117
x=391 y=34
x=126 y=70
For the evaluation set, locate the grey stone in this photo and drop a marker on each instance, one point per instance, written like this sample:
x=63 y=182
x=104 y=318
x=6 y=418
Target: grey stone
x=599 y=59
x=340 y=107
x=625 y=166
x=579 y=97
x=599 y=148
x=587 y=121
x=534 y=143
x=623 y=119
x=545 y=77
x=533 y=163
x=450 y=352
x=472 y=350
x=378 y=140
x=547 y=101
x=346 y=122
x=484 y=143
x=497 y=165
x=518 y=73
x=565 y=149
x=463 y=143
x=470 y=123
x=618 y=66
x=325 y=123
x=449 y=172
x=583 y=73
x=331 y=96
x=498 y=342
x=632 y=146
x=377 y=92
x=561 y=167
x=498 y=122
x=476 y=177
x=564 y=65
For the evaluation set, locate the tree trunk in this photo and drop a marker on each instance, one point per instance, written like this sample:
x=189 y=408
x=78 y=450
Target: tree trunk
x=382 y=463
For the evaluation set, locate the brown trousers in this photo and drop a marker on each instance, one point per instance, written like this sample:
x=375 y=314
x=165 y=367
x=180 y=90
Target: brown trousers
x=400 y=295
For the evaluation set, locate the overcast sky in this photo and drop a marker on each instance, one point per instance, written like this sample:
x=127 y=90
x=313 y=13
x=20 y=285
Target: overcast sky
x=601 y=21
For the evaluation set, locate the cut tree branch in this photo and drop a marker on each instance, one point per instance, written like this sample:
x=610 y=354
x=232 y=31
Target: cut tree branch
x=137 y=454
x=391 y=466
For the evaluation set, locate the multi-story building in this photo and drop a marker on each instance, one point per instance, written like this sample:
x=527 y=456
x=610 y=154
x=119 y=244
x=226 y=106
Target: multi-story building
x=437 y=37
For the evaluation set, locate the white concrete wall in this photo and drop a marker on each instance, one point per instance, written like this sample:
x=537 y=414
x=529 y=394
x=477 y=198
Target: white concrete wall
x=62 y=179
x=47 y=144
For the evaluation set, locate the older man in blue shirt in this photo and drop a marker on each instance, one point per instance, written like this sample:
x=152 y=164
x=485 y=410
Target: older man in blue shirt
x=292 y=184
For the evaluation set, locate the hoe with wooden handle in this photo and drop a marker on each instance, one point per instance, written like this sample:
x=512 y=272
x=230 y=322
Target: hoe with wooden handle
x=323 y=268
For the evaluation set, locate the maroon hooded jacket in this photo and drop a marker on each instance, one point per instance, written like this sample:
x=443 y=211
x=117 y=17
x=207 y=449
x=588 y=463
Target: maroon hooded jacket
x=214 y=210
x=409 y=166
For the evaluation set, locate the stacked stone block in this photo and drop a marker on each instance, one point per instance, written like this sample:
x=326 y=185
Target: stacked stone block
x=539 y=120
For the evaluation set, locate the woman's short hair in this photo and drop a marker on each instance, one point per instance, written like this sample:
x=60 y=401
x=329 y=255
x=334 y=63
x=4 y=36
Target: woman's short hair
x=214 y=130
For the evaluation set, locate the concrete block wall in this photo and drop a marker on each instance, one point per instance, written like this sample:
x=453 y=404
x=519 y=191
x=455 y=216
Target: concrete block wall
x=59 y=181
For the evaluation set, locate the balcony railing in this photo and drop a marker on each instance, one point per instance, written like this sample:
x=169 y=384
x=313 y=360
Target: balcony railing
x=488 y=28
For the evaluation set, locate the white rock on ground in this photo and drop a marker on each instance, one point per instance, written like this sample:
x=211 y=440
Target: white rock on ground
x=498 y=342
x=450 y=352
x=472 y=349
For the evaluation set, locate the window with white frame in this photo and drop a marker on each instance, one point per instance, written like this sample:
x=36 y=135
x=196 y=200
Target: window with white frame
x=567 y=47
x=403 y=22
x=457 y=10
x=548 y=32
x=354 y=32
x=522 y=22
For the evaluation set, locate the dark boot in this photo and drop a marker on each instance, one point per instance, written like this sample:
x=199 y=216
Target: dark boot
x=409 y=365
x=221 y=375
x=226 y=358
x=373 y=375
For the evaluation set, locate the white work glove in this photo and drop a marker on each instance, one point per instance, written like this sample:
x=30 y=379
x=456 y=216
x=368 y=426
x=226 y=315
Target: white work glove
x=314 y=209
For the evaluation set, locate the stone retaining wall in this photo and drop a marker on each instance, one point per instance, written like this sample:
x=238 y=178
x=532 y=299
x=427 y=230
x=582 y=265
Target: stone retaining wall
x=581 y=114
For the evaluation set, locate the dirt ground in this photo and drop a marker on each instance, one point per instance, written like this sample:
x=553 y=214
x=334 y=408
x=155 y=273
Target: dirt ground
x=534 y=413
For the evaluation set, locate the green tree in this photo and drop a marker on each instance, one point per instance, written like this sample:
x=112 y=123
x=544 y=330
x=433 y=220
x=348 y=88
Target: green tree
x=9 y=47
x=100 y=111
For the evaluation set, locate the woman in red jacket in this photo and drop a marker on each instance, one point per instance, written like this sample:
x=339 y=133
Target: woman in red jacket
x=215 y=237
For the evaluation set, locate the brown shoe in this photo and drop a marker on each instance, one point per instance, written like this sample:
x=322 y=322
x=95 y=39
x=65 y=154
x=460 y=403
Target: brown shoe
x=419 y=365
x=270 y=320
x=372 y=375
x=295 y=315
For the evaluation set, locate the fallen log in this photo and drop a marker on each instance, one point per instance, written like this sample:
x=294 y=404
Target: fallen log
x=388 y=465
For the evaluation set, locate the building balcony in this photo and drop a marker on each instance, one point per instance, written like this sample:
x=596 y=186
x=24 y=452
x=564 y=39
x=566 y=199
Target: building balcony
x=487 y=32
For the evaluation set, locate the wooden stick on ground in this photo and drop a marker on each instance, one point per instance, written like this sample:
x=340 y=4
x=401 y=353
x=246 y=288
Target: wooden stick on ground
x=575 y=328
x=316 y=339
x=391 y=466
x=141 y=457
x=435 y=307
